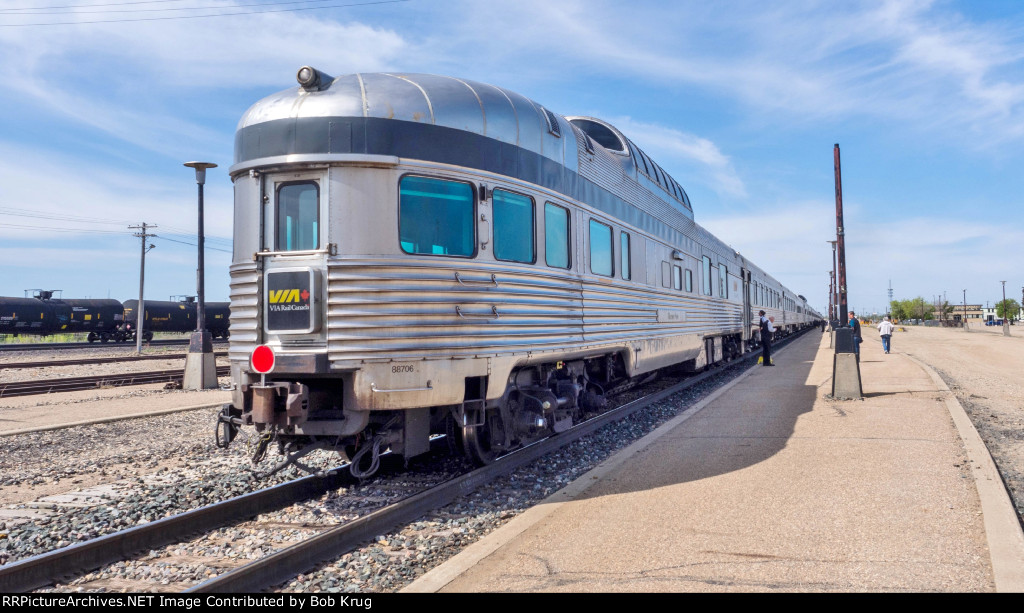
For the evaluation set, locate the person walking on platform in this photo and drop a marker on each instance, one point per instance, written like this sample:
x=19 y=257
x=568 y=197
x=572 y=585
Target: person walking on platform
x=885 y=330
x=767 y=329
x=857 y=339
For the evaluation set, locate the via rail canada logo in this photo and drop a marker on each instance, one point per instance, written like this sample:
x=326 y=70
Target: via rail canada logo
x=288 y=300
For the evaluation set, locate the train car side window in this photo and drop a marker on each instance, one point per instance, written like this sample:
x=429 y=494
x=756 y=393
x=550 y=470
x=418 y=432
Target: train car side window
x=723 y=281
x=677 y=278
x=601 y=249
x=556 y=236
x=689 y=280
x=665 y=273
x=435 y=217
x=298 y=216
x=624 y=253
x=706 y=264
x=513 y=227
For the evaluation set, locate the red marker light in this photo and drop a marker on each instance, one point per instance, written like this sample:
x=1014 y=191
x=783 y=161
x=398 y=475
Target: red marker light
x=262 y=359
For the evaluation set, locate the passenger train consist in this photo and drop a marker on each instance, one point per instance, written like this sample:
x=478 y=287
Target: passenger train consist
x=427 y=255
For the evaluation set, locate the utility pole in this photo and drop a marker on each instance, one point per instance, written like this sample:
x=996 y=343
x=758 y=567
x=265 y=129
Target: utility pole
x=840 y=240
x=966 y=329
x=140 y=310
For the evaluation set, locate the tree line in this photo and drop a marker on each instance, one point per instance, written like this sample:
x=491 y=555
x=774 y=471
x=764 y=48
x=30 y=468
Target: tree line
x=919 y=308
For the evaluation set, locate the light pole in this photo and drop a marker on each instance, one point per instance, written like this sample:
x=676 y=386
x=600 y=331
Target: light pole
x=200 y=363
x=1006 y=311
x=833 y=301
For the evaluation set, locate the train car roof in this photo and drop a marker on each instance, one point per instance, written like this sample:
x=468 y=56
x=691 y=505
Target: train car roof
x=438 y=100
x=309 y=119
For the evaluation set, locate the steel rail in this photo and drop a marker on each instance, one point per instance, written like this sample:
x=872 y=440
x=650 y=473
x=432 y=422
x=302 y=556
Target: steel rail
x=87 y=345
x=291 y=561
x=109 y=360
x=70 y=384
x=73 y=560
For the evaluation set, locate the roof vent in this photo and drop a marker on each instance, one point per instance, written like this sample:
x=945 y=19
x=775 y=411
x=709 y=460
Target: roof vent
x=589 y=144
x=552 y=123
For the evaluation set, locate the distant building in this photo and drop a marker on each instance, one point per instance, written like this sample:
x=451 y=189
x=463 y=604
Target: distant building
x=973 y=312
x=989 y=314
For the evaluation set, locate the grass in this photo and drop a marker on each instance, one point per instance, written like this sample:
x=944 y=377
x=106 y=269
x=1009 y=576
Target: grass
x=29 y=339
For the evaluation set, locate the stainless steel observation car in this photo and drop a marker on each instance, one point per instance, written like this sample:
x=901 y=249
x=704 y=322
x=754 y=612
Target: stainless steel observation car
x=426 y=254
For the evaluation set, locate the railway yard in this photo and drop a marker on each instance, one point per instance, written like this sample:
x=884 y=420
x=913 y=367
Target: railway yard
x=107 y=483
x=75 y=484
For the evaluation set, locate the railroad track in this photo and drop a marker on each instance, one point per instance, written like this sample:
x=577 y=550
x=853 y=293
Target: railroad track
x=329 y=543
x=79 y=362
x=86 y=345
x=71 y=384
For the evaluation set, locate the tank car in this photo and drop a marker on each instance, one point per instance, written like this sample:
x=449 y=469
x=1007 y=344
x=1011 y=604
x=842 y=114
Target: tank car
x=176 y=316
x=429 y=255
x=44 y=315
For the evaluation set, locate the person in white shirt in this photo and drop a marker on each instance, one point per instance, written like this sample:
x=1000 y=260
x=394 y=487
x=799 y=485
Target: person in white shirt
x=767 y=329
x=885 y=330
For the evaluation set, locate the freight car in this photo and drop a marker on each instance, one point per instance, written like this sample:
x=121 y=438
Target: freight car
x=176 y=316
x=44 y=315
x=428 y=255
x=106 y=320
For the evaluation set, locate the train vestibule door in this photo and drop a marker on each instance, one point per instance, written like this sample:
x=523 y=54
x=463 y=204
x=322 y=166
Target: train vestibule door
x=748 y=313
x=294 y=257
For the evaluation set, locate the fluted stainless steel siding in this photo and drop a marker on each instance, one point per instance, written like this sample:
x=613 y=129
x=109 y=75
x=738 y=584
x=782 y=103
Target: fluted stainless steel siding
x=404 y=309
x=245 y=310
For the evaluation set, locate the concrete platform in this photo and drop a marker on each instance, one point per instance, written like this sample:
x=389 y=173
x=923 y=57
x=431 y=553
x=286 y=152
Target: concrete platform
x=769 y=485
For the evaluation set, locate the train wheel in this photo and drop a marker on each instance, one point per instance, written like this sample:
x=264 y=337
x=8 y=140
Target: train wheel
x=104 y=338
x=92 y=337
x=147 y=336
x=476 y=441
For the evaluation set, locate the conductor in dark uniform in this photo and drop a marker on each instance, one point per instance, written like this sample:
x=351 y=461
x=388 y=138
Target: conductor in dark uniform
x=767 y=329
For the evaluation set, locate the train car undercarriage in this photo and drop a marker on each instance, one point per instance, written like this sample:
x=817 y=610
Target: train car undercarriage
x=300 y=416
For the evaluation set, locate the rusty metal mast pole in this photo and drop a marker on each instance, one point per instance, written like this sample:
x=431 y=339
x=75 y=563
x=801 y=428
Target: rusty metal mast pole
x=840 y=242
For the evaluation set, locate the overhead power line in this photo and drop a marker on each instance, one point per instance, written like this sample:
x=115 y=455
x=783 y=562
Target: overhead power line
x=61 y=10
x=122 y=232
x=56 y=216
x=51 y=229
x=227 y=14
x=76 y=219
x=207 y=247
x=75 y=6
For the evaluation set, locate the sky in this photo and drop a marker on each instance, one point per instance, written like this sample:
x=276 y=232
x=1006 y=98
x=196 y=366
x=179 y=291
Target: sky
x=741 y=102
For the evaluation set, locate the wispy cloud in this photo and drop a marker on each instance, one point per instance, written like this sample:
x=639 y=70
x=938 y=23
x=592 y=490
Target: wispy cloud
x=923 y=256
x=139 y=82
x=902 y=60
x=697 y=158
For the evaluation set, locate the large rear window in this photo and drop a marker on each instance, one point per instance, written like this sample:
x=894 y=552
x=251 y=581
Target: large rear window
x=298 y=216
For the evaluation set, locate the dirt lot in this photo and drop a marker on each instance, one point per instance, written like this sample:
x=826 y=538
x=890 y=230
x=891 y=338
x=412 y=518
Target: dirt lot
x=986 y=372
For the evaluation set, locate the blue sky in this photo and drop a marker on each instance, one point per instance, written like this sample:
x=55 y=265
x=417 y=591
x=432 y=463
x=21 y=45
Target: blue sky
x=741 y=102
